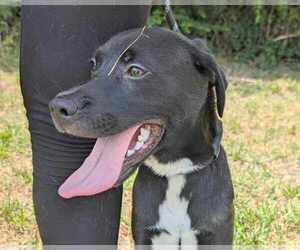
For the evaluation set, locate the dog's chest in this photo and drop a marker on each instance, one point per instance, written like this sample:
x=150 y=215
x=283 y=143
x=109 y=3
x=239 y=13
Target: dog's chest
x=174 y=222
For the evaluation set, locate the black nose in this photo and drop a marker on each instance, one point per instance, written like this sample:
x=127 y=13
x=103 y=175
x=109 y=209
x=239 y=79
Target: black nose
x=63 y=107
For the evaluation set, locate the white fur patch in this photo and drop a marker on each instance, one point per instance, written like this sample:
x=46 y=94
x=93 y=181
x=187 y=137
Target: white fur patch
x=174 y=218
x=182 y=166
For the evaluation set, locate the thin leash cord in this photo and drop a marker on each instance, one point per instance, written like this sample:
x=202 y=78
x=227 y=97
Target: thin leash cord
x=126 y=49
x=170 y=17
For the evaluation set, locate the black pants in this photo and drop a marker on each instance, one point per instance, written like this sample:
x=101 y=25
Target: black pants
x=56 y=44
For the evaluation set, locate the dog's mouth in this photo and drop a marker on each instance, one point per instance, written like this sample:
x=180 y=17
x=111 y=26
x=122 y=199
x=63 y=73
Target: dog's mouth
x=113 y=159
x=143 y=143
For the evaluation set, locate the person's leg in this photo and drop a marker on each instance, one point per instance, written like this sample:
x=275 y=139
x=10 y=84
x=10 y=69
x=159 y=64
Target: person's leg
x=56 y=44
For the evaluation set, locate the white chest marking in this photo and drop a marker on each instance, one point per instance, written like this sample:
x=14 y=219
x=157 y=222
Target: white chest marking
x=174 y=218
x=182 y=166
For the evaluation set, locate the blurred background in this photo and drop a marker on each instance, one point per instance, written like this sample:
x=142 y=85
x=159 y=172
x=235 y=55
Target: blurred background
x=259 y=46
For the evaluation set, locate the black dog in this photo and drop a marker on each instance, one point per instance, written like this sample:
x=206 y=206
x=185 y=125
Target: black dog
x=155 y=97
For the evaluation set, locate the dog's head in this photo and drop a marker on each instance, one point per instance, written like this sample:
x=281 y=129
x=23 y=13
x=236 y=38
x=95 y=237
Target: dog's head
x=149 y=90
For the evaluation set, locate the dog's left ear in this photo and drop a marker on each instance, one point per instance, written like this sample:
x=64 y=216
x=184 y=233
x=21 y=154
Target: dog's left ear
x=206 y=64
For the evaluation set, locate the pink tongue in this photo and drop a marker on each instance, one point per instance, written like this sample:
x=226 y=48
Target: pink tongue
x=101 y=169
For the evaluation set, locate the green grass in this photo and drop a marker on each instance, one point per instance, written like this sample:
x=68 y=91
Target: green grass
x=262 y=140
x=13 y=212
x=291 y=192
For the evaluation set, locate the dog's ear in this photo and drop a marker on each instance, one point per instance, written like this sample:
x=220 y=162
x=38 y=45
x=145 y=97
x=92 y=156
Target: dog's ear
x=206 y=64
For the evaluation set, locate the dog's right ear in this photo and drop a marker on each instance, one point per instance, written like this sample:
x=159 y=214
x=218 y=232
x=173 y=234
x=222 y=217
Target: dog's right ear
x=206 y=64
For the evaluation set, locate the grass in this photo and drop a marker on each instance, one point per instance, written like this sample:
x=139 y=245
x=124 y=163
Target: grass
x=262 y=142
x=262 y=139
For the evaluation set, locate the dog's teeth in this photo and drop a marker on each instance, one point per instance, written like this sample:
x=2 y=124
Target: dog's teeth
x=138 y=145
x=130 y=152
x=141 y=138
x=145 y=133
x=146 y=137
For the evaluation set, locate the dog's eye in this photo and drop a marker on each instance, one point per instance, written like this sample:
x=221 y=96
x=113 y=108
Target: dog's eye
x=136 y=72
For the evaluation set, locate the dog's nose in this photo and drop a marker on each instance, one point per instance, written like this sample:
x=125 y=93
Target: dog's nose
x=63 y=107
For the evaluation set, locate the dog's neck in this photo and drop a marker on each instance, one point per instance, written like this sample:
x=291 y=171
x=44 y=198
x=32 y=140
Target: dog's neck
x=198 y=146
x=192 y=151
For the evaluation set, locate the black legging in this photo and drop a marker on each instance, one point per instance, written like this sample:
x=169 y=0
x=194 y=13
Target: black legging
x=56 y=44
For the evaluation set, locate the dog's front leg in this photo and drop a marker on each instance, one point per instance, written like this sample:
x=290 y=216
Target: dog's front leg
x=148 y=193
